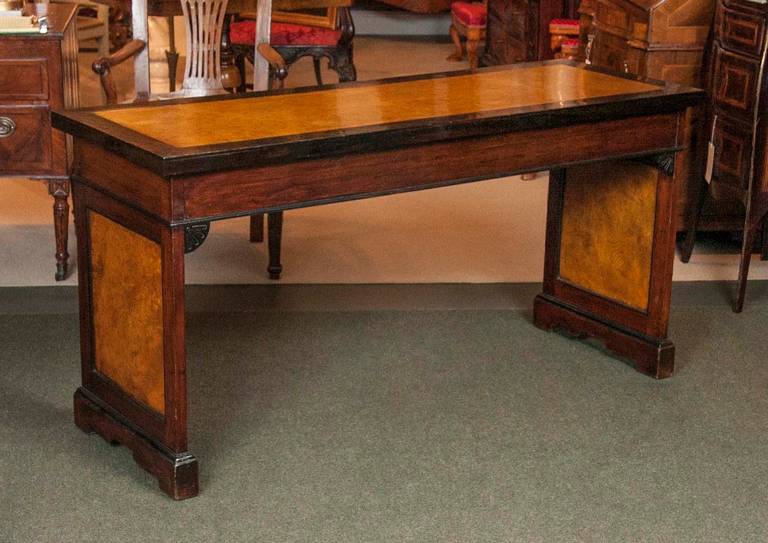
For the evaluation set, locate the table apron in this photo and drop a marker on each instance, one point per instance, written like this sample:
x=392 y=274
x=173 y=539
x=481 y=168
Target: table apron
x=226 y=194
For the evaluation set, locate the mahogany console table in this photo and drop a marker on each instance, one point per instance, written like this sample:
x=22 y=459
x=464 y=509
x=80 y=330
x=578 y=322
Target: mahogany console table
x=38 y=72
x=148 y=179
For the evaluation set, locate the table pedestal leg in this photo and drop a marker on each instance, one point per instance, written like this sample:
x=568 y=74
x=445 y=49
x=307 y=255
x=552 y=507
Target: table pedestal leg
x=131 y=281
x=609 y=257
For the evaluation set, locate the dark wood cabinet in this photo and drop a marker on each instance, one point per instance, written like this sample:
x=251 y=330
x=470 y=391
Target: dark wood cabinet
x=38 y=73
x=735 y=125
x=660 y=39
x=518 y=30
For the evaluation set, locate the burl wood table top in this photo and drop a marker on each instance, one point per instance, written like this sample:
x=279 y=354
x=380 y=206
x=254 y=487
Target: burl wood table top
x=169 y=136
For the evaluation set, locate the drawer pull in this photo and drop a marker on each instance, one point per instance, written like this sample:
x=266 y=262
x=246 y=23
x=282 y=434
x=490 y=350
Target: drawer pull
x=7 y=127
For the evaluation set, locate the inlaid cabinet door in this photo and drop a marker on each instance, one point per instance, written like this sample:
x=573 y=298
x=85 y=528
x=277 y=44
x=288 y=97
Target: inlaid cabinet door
x=733 y=155
x=740 y=32
x=735 y=83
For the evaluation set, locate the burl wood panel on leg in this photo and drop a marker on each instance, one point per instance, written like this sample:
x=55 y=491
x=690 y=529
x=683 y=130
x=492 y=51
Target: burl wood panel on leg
x=609 y=254
x=133 y=353
x=139 y=187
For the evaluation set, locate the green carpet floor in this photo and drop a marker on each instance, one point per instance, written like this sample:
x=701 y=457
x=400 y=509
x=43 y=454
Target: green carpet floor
x=450 y=425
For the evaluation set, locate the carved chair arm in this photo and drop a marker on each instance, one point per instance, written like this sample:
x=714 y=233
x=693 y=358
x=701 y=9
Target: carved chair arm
x=275 y=59
x=103 y=66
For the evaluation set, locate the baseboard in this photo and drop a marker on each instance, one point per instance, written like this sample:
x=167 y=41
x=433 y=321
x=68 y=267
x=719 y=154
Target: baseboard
x=370 y=297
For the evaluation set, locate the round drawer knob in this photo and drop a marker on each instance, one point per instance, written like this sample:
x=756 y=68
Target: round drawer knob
x=7 y=127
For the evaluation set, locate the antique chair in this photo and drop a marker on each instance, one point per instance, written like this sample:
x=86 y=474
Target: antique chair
x=204 y=21
x=296 y=34
x=468 y=20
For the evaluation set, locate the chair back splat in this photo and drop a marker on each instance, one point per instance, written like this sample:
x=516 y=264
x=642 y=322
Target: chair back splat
x=204 y=20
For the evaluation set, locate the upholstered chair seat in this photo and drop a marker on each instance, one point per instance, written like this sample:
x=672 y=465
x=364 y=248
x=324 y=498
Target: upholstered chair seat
x=468 y=20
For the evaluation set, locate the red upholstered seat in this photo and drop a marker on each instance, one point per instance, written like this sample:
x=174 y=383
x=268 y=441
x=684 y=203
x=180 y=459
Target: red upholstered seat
x=565 y=22
x=244 y=33
x=564 y=26
x=470 y=13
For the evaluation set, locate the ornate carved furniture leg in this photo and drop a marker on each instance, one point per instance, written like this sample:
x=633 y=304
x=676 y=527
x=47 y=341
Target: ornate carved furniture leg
x=59 y=189
x=473 y=40
x=459 y=53
x=609 y=255
x=134 y=392
x=171 y=55
x=468 y=19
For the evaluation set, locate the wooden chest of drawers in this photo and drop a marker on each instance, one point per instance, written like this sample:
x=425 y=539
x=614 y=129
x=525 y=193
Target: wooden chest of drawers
x=660 y=39
x=736 y=97
x=736 y=126
x=38 y=73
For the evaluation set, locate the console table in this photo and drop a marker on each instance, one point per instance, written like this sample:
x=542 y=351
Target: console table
x=38 y=72
x=145 y=195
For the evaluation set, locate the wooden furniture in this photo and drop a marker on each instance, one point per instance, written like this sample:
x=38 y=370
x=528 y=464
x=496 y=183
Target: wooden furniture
x=563 y=30
x=468 y=21
x=204 y=20
x=295 y=35
x=660 y=39
x=518 y=30
x=121 y=26
x=38 y=72
x=145 y=193
x=736 y=127
x=93 y=25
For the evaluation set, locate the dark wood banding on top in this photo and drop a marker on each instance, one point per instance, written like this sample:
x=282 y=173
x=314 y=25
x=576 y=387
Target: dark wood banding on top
x=168 y=160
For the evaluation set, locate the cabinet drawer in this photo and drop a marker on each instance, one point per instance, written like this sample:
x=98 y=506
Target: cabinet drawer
x=23 y=79
x=733 y=154
x=25 y=140
x=734 y=83
x=739 y=31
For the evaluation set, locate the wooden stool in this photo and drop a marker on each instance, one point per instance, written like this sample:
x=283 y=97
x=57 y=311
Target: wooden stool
x=569 y=49
x=561 y=30
x=468 y=20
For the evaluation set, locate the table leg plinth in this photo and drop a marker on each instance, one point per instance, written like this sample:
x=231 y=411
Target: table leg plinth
x=608 y=265
x=175 y=472
x=134 y=391
x=651 y=356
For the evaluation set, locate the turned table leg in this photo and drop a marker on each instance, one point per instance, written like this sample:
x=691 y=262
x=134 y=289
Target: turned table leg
x=609 y=255
x=59 y=189
x=131 y=281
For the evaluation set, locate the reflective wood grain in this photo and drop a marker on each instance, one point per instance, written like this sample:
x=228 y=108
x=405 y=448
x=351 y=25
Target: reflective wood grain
x=261 y=117
x=607 y=230
x=127 y=310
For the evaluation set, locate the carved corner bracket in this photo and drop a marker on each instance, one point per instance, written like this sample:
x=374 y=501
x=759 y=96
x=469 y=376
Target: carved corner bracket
x=195 y=235
x=664 y=162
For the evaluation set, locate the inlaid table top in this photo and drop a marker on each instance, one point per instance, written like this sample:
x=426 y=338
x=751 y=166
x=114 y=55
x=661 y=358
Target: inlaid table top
x=437 y=106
